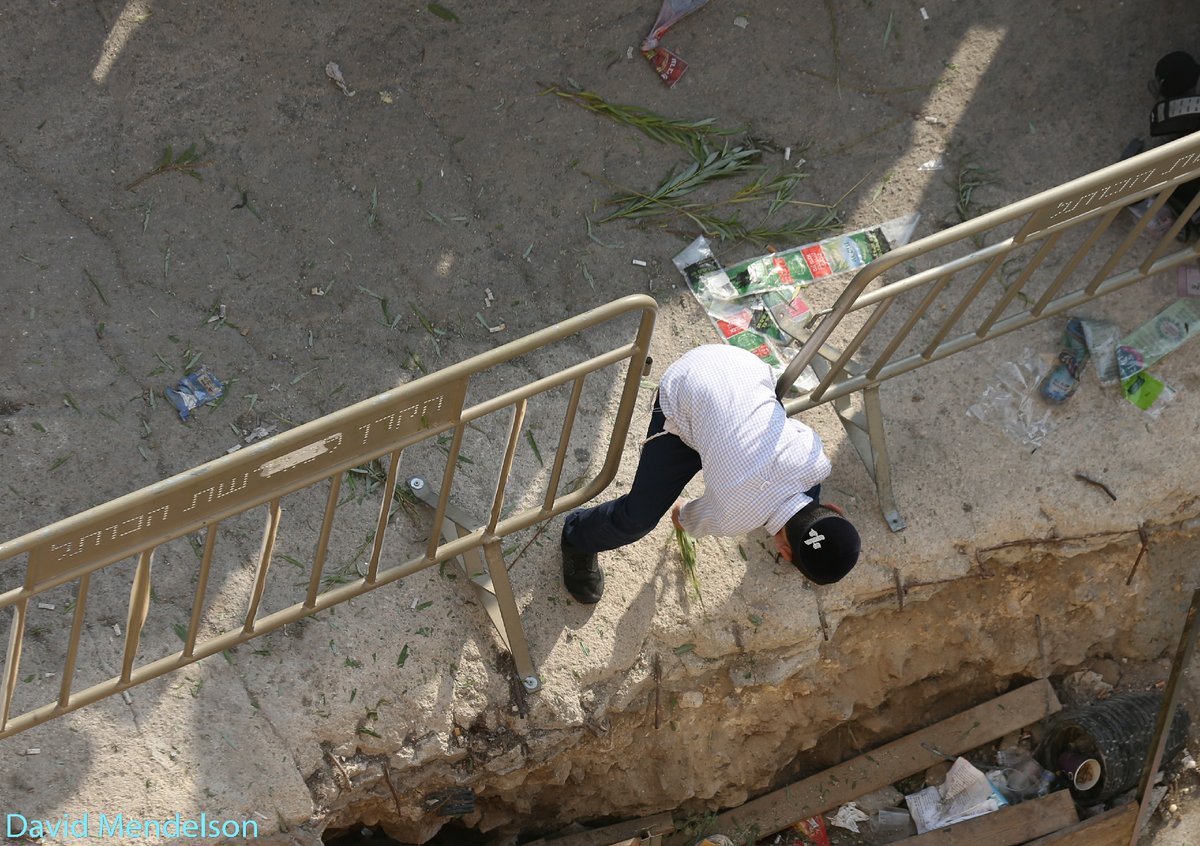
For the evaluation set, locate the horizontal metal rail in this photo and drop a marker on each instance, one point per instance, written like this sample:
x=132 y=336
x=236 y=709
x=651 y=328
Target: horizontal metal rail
x=73 y=550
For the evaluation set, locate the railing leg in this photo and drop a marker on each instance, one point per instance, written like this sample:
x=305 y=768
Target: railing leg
x=882 y=463
x=865 y=430
x=489 y=578
x=510 y=616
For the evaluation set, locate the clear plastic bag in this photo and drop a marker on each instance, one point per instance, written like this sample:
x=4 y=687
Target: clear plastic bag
x=1012 y=405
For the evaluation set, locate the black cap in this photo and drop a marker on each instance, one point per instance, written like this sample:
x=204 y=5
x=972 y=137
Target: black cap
x=1176 y=73
x=829 y=550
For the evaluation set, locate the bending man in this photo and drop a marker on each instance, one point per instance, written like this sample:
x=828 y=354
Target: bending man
x=716 y=409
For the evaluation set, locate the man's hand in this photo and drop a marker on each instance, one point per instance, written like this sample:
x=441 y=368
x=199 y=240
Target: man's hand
x=675 y=514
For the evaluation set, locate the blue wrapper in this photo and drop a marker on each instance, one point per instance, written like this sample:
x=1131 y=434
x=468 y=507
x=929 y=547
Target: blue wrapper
x=195 y=390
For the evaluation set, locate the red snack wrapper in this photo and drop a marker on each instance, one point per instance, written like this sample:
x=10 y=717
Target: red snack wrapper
x=813 y=831
x=667 y=65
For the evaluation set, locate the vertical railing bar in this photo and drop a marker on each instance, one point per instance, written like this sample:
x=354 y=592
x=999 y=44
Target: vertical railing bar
x=139 y=607
x=934 y=290
x=64 y=691
x=210 y=545
x=274 y=511
x=1167 y=239
x=1019 y=284
x=965 y=302
x=514 y=437
x=439 y=514
x=836 y=367
x=1131 y=238
x=1076 y=258
x=16 y=636
x=564 y=440
x=331 y=503
x=385 y=512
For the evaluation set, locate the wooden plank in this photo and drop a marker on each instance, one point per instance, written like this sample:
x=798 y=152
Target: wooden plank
x=899 y=759
x=658 y=824
x=1010 y=826
x=1112 y=828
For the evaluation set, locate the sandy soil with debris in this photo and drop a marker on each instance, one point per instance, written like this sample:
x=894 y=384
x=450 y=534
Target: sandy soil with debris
x=344 y=245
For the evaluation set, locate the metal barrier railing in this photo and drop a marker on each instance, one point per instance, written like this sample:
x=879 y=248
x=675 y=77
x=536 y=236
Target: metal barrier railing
x=382 y=427
x=1050 y=263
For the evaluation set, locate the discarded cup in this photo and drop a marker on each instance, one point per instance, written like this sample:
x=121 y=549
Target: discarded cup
x=1084 y=772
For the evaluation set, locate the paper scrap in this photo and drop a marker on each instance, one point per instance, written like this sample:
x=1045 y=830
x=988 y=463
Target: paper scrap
x=848 y=817
x=335 y=73
x=965 y=794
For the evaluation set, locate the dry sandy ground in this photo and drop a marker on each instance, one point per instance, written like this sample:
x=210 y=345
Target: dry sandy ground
x=447 y=174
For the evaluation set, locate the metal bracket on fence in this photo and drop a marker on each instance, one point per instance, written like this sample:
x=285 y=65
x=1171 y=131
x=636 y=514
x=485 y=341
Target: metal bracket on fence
x=488 y=575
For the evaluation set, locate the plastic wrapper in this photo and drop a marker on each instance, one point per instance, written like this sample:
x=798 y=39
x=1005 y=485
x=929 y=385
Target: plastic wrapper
x=748 y=322
x=756 y=304
x=1149 y=394
x=667 y=65
x=1154 y=339
x=1101 y=338
x=797 y=267
x=1012 y=404
x=194 y=390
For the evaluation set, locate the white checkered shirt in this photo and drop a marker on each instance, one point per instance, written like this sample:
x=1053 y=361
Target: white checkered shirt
x=757 y=461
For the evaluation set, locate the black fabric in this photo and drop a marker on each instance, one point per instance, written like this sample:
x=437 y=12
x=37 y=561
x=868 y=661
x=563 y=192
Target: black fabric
x=825 y=545
x=1176 y=74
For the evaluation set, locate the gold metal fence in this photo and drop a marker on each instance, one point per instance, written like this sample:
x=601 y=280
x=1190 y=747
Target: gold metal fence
x=132 y=527
x=1055 y=251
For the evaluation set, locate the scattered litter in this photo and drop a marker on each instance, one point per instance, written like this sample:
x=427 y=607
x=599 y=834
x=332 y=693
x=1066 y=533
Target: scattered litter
x=220 y=315
x=1154 y=339
x=756 y=305
x=965 y=794
x=1010 y=405
x=935 y=121
x=46 y=606
x=1102 y=338
x=335 y=73
x=1083 y=687
x=33 y=750
x=639 y=263
x=1060 y=383
x=125 y=695
x=1148 y=393
x=413 y=607
x=488 y=298
x=493 y=329
x=258 y=433
x=48 y=675
x=932 y=165
x=848 y=817
x=233 y=449
x=1163 y=220
x=317 y=291
x=194 y=390
x=667 y=65
x=740 y=21
x=1188 y=280
x=117 y=629
x=386 y=98
x=924 y=14
x=812 y=830
x=787 y=154
x=629 y=52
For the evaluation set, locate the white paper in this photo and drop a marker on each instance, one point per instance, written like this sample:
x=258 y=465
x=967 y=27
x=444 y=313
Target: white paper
x=848 y=817
x=966 y=793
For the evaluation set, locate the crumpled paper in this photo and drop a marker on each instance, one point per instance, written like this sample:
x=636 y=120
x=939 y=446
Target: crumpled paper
x=848 y=817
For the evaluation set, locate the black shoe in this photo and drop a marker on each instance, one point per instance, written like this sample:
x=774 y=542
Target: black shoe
x=582 y=576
